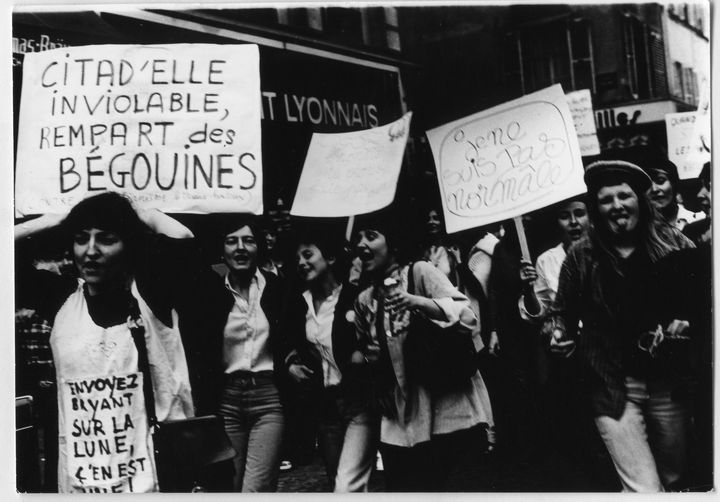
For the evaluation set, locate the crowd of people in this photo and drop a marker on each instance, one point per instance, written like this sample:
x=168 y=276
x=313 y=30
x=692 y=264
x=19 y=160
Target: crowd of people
x=598 y=344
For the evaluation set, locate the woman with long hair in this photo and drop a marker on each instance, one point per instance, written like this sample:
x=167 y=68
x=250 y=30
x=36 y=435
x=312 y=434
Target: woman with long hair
x=426 y=437
x=125 y=261
x=608 y=283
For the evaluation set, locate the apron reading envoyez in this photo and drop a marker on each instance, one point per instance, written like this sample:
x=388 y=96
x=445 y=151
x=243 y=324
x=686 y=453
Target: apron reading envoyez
x=104 y=441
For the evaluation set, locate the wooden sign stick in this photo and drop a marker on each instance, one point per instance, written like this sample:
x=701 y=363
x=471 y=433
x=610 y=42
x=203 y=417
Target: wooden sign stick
x=349 y=228
x=521 y=237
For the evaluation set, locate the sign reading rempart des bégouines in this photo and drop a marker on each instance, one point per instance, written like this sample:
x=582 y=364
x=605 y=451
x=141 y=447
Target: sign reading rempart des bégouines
x=506 y=161
x=175 y=127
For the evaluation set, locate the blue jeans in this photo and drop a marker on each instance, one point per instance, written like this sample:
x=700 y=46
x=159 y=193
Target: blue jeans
x=348 y=441
x=648 y=444
x=254 y=422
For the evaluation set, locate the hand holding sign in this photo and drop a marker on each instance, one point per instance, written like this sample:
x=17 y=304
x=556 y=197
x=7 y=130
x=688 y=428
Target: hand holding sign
x=508 y=160
x=351 y=173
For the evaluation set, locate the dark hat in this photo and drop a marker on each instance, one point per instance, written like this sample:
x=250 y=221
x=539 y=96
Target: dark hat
x=612 y=172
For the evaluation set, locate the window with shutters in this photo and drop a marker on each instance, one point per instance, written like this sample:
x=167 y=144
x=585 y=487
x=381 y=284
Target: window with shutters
x=644 y=59
x=547 y=53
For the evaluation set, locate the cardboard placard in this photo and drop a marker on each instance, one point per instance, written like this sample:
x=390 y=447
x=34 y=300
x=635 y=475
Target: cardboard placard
x=511 y=159
x=580 y=104
x=352 y=173
x=175 y=127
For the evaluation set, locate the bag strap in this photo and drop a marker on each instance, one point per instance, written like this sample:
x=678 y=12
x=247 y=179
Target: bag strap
x=411 y=278
x=137 y=330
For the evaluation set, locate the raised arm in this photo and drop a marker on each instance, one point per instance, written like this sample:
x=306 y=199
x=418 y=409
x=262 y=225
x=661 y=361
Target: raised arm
x=37 y=225
x=161 y=223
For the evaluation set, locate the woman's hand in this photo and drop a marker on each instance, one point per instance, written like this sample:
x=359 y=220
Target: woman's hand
x=371 y=355
x=559 y=345
x=528 y=274
x=454 y=251
x=494 y=344
x=677 y=328
x=397 y=299
x=300 y=373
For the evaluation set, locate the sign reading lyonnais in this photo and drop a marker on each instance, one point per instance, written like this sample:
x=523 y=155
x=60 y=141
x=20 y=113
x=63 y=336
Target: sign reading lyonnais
x=508 y=160
x=175 y=127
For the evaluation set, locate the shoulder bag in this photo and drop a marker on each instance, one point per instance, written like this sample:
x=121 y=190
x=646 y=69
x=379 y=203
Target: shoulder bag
x=185 y=448
x=441 y=359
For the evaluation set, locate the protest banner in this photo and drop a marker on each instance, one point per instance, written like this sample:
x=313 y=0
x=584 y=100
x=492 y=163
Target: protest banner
x=351 y=173
x=581 y=109
x=506 y=161
x=175 y=127
x=106 y=434
x=680 y=128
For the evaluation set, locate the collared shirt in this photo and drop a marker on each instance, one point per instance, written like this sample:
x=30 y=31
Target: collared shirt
x=247 y=331
x=318 y=331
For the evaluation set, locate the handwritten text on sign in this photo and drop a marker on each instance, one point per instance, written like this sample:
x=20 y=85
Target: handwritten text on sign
x=508 y=160
x=683 y=149
x=351 y=173
x=175 y=127
x=106 y=434
x=580 y=104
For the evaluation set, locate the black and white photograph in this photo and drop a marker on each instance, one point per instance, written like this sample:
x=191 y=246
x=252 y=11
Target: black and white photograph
x=379 y=247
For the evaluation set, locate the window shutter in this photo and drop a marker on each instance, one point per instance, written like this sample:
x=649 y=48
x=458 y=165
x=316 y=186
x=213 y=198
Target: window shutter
x=659 y=81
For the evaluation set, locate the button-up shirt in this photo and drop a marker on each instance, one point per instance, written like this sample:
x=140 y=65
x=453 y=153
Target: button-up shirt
x=247 y=331
x=318 y=331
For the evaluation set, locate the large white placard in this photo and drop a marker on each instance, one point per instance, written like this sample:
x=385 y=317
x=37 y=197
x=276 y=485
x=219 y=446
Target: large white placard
x=581 y=109
x=351 y=173
x=685 y=153
x=175 y=127
x=511 y=159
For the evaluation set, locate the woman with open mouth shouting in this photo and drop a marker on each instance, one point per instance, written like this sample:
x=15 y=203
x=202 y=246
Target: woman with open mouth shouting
x=425 y=436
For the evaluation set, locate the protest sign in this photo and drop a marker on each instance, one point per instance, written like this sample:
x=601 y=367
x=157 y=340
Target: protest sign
x=701 y=137
x=511 y=159
x=175 y=127
x=580 y=104
x=106 y=434
x=352 y=173
x=680 y=128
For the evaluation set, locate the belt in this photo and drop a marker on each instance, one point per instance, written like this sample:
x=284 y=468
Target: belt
x=251 y=376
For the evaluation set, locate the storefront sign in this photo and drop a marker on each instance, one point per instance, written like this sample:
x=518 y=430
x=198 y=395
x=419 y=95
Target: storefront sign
x=508 y=160
x=352 y=173
x=175 y=127
x=623 y=116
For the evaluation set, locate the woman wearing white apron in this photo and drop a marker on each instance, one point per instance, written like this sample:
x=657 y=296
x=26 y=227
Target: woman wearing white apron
x=104 y=440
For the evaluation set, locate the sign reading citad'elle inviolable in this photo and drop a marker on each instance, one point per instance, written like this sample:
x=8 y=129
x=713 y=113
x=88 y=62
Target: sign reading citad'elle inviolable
x=175 y=127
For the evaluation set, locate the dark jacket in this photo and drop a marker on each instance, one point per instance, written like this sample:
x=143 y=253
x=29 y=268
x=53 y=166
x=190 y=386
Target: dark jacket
x=344 y=338
x=616 y=303
x=204 y=327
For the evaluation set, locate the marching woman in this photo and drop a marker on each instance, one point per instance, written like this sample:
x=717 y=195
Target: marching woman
x=319 y=359
x=426 y=437
x=127 y=263
x=608 y=282
x=541 y=281
x=242 y=321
